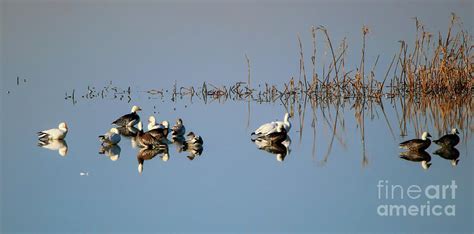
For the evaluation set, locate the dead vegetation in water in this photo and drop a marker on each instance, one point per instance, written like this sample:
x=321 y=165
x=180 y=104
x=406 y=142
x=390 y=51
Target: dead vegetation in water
x=430 y=81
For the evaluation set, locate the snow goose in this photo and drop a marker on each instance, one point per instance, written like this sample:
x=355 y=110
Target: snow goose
x=449 y=153
x=417 y=144
x=112 y=137
x=275 y=126
x=417 y=156
x=55 y=145
x=448 y=140
x=129 y=119
x=152 y=123
x=54 y=133
x=145 y=139
x=178 y=129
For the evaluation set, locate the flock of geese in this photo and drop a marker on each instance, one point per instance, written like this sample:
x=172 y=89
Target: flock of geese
x=416 y=148
x=272 y=137
x=151 y=143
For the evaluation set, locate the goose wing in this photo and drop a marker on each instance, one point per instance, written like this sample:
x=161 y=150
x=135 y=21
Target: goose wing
x=266 y=129
x=413 y=142
x=51 y=134
x=449 y=139
x=127 y=120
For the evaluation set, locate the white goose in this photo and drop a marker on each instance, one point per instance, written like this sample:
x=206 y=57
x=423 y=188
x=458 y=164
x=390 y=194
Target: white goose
x=112 y=137
x=276 y=126
x=54 y=133
x=151 y=123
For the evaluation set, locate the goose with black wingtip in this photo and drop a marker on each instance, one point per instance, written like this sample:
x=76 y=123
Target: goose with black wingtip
x=275 y=126
x=54 y=133
x=129 y=119
x=112 y=137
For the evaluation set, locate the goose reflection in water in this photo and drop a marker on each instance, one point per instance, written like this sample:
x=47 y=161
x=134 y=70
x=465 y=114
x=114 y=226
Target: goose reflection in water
x=449 y=153
x=129 y=133
x=417 y=156
x=179 y=142
x=111 y=151
x=55 y=145
x=193 y=151
x=277 y=144
x=148 y=154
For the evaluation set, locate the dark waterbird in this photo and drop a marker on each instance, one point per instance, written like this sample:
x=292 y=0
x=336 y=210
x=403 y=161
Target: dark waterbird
x=449 y=153
x=194 y=139
x=418 y=156
x=417 y=144
x=129 y=119
x=145 y=139
x=145 y=154
x=128 y=131
x=448 y=140
x=178 y=129
x=161 y=132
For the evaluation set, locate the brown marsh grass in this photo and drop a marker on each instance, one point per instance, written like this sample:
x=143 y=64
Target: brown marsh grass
x=429 y=82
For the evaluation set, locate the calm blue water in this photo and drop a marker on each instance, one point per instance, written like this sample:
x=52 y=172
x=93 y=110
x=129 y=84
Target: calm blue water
x=232 y=186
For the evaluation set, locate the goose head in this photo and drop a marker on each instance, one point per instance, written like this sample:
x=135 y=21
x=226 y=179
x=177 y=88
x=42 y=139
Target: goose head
x=425 y=164
x=425 y=135
x=287 y=117
x=179 y=121
x=62 y=126
x=191 y=135
x=135 y=109
x=454 y=162
x=454 y=131
x=63 y=151
x=151 y=120
x=165 y=157
x=140 y=126
x=114 y=130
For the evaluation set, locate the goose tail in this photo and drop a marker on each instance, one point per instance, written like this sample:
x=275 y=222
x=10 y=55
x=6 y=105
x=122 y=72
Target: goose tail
x=42 y=136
